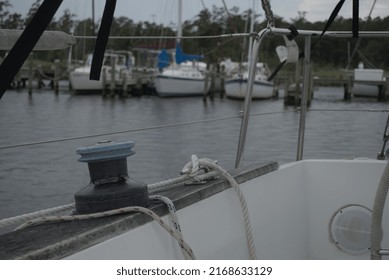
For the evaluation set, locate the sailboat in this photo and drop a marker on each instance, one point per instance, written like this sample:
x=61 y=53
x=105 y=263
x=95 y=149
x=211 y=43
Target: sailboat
x=185 y=76
x=235 y=86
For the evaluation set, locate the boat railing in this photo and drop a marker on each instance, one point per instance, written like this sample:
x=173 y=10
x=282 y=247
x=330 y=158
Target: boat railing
x=308 y=35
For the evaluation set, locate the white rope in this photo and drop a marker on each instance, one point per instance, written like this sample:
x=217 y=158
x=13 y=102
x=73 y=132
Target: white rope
x=174 y=219
x=148 y=212
x=212 y=165
x=35 y=215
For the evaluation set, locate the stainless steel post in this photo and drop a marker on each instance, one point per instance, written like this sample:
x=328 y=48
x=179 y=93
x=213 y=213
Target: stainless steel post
x=304 y=98
x=249 y=93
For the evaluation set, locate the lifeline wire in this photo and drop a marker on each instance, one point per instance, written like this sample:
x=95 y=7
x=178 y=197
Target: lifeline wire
x=176 y=125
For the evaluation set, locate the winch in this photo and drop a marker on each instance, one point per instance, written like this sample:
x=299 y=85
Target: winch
x=110 y=186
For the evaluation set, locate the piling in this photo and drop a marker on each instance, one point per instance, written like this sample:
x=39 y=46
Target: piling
x=293 y=90
x=212 y=86
x=292 y=95
x=40 y=76
x=348 y=85
x=124 y=83
x=206 y=82
x=30 y=73
x=381 y=93
x=56 y=76
x=104 y=82
x=113 y=80
x=222 y=75
x=386 y=89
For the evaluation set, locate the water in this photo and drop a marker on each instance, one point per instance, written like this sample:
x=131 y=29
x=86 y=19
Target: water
x=36 y=177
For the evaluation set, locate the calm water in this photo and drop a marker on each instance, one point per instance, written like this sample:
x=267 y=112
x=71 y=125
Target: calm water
x=40 y=176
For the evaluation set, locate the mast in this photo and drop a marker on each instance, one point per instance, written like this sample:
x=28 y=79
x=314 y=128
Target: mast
x=93 y=17
x=251 y=31
x=179 y=27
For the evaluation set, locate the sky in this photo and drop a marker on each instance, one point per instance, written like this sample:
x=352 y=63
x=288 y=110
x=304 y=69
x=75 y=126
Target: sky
x=165 y=11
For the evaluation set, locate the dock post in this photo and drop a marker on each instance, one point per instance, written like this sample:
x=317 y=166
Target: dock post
x=40 y=80
x=104 y=82
x=206 y=81
x=347 y=88
x=276 y=87
x=386 y=89
x=222 y=80
x=292 y=95
x=124 y=83
x=297 y=79
x=213 y=81
x=30 y=73
x=113 y=76
x=381 y=93
x=56 y=76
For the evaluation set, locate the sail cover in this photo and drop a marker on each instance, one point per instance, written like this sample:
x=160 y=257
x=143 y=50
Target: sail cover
x=182 y=57
x=163 y=59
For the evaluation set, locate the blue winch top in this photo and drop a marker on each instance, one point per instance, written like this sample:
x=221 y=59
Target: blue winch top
x=105 y=151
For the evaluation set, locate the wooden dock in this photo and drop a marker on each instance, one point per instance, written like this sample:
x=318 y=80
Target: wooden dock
x=293 y=89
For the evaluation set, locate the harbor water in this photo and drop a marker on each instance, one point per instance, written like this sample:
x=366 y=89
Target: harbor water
x=40 y=133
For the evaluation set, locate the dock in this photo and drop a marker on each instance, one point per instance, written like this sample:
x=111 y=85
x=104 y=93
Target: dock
x=346 y=81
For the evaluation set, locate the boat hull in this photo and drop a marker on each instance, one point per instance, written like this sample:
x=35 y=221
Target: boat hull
x=368 y=82
x=167 y=86
x=236 y=88
x=79 y=81
x=365 y=90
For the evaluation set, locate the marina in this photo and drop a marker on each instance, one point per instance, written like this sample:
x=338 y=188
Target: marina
x=191 y=178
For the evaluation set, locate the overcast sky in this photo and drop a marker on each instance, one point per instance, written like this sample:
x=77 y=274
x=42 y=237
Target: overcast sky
x=165 y=11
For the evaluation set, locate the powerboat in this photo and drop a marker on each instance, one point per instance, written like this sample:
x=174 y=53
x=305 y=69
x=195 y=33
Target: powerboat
x=117 y=67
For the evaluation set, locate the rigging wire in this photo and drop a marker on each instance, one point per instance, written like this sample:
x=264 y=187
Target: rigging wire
x=228 y=35
x=65 y=139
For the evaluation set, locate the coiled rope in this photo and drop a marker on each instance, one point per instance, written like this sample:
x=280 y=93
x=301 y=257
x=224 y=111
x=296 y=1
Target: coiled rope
x=191 y=167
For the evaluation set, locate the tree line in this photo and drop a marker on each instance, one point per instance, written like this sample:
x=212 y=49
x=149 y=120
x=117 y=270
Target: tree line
x=329 y=52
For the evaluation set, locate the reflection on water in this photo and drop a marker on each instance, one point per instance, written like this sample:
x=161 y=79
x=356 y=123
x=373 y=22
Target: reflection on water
x=46 y=175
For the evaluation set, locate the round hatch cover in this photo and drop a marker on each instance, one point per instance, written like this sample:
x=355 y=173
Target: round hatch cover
x=350 y=229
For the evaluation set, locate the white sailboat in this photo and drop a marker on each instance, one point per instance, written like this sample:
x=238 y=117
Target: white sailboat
x=183 y=77
x=236 y=84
